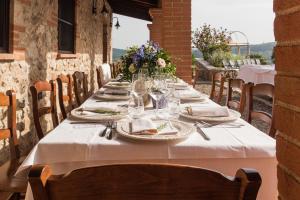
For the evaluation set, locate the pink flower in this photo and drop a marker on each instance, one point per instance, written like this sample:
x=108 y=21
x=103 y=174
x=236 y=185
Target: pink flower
x=161 y=63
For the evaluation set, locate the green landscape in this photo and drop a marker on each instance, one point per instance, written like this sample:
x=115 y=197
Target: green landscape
x=265 y=49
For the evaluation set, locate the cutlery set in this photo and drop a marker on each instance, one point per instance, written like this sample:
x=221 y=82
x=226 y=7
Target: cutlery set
x=108 y=132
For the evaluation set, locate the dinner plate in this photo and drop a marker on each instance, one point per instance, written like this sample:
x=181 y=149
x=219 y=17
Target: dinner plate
x=184 y=130
x=90 y=114
x=201 y=99
x=110 y=97
x=233 y=115
x=117 y=85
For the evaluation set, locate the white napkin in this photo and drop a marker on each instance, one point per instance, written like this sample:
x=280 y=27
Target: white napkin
x=141 y=127
x=145 y=126
x=123 y=83
x=178 y=85
x=210 y=111
x=115 y=91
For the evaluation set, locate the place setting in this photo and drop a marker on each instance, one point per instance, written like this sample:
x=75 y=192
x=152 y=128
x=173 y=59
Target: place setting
x=143 y=125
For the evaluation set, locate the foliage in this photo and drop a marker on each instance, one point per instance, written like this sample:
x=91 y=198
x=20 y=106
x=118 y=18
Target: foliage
x=208 y=40
x=218 y=56
x=273 y=56
x=149 y=57
x=193 y=59
x=262 y=59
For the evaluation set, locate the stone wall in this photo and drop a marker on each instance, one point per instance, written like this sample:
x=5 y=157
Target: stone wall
x=287 y=91
x=34 y=55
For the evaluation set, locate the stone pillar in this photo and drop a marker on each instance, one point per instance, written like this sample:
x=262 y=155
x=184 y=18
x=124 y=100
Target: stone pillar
x=287 y=91
x=171 y=27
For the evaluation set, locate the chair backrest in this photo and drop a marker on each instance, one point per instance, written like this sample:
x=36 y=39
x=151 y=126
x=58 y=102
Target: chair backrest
x=239 y=63
x=65 y=82
x=257 y=61
x=37 y=90
x=80 y=87
x=232 y=63
x=105 y=73
x=217 y=80
x=266 y=90
x=143 y=181
x=9 y=100
x=99 y=79
x=225 y=63
x=236 y=85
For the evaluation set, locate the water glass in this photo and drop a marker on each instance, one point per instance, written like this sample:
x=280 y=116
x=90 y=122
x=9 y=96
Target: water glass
x=174 y=107
x=136 y=107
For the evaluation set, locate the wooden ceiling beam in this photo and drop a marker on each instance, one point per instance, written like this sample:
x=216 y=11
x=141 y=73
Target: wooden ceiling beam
x=134 y=8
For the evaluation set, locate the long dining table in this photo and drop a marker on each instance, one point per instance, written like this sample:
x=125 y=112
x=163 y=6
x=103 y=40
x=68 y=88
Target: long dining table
x=72 y=146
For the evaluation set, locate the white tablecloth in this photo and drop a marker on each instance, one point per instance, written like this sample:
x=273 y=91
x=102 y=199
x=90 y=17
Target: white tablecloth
x=70 y=146
x=257 y=73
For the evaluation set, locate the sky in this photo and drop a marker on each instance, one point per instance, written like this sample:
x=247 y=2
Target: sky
x=252 y=17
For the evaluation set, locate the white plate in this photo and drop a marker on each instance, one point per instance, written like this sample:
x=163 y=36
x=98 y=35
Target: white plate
x=233 y=115
x=201 y=99
x=110 y=97
x=184 y=130
x=77 y=114
x=117 y=85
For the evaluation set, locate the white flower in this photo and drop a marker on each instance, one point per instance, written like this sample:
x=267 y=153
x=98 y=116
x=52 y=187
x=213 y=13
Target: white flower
x=161 y=62
x=132 y=68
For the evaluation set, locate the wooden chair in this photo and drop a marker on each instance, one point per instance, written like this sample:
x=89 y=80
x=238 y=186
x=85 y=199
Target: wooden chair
x=217 y=80
x=80 y=87
x=197 y=76
x=105 y=73
x=11 y=186
x=143 y=181
x=257 y=61
x=99 y=79
x=37 y=91
x=225 y=64
x=266 y=90
x=67 y=98
x=232 y=63
x=237 y=85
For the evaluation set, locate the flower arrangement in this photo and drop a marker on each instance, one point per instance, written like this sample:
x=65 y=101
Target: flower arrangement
x=148 y=58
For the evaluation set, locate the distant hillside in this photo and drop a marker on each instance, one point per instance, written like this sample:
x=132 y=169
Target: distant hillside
x=265 y=49
x=117 y=53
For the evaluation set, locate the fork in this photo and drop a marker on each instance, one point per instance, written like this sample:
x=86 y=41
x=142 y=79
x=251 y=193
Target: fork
x=223 y=125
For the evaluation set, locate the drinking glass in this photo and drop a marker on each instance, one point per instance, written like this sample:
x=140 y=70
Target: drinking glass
x=135 y=107
x=174 y=107
x=158 y=90
x=140 y=84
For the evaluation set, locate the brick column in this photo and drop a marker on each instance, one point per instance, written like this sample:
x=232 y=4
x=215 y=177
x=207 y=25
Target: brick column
x=287 y=91
x=171 y=27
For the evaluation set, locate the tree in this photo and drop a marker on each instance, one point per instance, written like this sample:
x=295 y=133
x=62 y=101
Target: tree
x=208 y=40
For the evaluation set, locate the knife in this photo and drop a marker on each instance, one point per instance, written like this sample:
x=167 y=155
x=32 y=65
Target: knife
x=199 y=130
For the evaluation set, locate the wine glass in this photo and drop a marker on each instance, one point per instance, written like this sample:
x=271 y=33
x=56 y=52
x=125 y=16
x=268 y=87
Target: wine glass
x=140 y=84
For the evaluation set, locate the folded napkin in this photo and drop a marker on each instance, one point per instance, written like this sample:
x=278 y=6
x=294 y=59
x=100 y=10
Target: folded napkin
x=188 y=94
x=208 y=111
x=115 y=92
x=123 y=83
x=102 y=110
x=178 y=85
x=142 y=127
x=148 y=127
